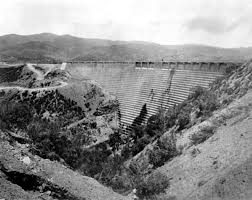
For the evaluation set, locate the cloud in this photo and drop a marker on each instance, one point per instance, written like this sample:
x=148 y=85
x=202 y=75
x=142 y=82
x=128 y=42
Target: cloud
x=161 y=21
x=213 y=25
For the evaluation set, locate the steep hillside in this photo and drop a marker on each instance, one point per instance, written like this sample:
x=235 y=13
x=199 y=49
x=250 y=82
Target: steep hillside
x=50 y=48
x=58 y=134
x=220 y=167
x=205 y=156
x=28 y=177
x=10 y=74
x=54 y=118
x=56 y=97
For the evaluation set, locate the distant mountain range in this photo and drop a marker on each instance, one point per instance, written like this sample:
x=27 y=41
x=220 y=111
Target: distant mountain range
x=47 y=47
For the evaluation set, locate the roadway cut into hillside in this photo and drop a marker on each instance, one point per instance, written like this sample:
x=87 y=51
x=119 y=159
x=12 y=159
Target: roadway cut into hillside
x=24 y=175
x=41 y=73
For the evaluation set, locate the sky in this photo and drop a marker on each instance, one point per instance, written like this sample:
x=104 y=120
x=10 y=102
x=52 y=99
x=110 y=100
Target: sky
x=224 y=23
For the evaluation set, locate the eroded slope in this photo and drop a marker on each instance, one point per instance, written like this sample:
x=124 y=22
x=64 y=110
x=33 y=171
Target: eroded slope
x=40 y=122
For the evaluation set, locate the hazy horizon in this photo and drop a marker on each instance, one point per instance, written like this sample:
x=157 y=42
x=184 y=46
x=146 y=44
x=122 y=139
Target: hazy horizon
x=215 y=23
x=136 y=41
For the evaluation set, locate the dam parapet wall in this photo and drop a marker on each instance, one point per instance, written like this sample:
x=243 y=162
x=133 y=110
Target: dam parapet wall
x=209 y=66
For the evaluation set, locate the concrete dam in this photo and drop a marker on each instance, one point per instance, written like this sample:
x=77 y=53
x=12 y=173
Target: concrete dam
x=148 y=84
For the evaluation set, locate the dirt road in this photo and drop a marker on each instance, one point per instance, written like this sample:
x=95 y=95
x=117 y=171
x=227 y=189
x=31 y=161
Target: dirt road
x=40 y=76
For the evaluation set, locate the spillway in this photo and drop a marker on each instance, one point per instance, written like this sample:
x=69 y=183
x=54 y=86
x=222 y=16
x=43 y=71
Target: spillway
x=155 y=84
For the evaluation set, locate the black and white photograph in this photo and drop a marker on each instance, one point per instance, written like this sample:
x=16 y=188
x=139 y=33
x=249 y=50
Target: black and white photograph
x=126 y=100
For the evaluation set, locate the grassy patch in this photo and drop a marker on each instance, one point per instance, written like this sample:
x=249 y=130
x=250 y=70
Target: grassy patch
x=163 y=151
x=152 y=185
x=203 y=135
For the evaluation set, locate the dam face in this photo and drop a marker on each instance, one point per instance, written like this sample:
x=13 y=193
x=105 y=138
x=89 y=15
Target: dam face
x=156 y=84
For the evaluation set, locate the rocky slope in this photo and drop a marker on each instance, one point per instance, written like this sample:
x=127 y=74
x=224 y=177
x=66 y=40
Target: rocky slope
x=25 y=176
x=214 y=156
x=10 y=74
x=37 y=117
x=220 y=167
x=205 y=153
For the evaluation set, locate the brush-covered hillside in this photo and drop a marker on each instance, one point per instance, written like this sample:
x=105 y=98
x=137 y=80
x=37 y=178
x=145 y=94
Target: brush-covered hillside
x=47 y=120
x=202 y=146
x=51 y=48
x=60 y=139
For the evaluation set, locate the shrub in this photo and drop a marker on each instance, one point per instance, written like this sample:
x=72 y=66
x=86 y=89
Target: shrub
x=183 y=116
x=134 y=142
x=126 y=151
x=204 y=134
x=110 y=173
x=152 y=185
x=200 y=99
x=171 y=116
x=163 y=151
x=50 y=142
x=155 y=125
x=3 y=125
x=205 y=100
x=139 y=145
x=138 y=132
x=14 y=115
x=44 y=138
x=230 y=69
x=115 y=140
x=92 y=162
x=196 y=92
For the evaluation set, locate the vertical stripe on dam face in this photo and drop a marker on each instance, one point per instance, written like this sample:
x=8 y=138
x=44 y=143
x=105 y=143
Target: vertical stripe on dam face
x=153 y=84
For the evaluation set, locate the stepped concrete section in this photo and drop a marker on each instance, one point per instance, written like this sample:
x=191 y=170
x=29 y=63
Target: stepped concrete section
x=156 y=84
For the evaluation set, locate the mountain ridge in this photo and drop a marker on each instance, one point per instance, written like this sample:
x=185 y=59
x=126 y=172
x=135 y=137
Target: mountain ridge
x=31 y=48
